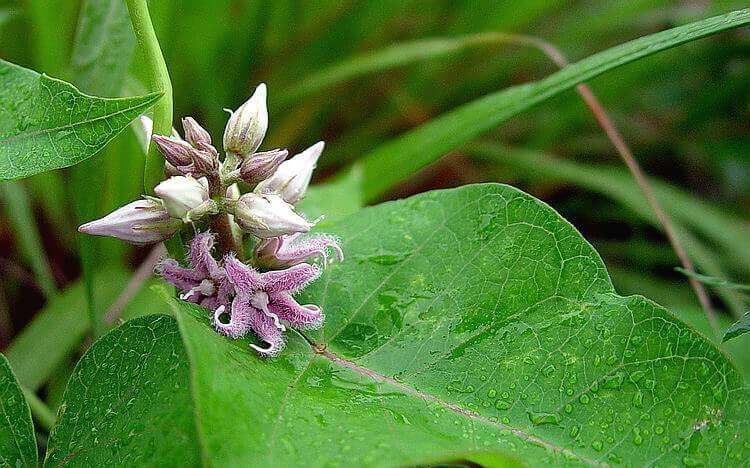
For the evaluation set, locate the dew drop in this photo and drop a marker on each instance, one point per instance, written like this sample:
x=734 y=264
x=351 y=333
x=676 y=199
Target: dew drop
x=544 y=418
x=502 y=405
x=691 y=462
x=637 y=438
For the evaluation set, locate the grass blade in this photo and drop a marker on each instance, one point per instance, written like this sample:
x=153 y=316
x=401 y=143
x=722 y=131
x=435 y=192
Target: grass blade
x=390 y=162
x=19 y=213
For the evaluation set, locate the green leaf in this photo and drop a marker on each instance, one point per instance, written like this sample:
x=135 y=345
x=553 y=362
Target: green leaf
x=47 y=124
x=469 y=319
x=740 y=327
x=102 y=48
x=17 y=442
x=127 y=402
x=390 y=162
x=713 y=281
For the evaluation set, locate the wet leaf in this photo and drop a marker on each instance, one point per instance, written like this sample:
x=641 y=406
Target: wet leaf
x=493 y=326
x=127 y=403
x=47 y=124
x=17 y=442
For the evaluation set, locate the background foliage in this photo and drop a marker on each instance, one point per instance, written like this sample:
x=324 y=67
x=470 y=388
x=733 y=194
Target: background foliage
x=350 y=72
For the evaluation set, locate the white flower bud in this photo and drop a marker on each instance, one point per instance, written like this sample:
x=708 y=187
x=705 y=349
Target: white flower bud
x=140 y=222
x=247 y=125
x=268 y=216
x=182 y=194
x=293 y=176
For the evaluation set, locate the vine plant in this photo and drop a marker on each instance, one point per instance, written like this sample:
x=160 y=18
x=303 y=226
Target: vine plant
x=471 y=326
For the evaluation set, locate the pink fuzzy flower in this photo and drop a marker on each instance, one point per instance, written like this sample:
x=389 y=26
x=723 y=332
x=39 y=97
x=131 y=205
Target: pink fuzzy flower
x=205 y=282
x=262 y=300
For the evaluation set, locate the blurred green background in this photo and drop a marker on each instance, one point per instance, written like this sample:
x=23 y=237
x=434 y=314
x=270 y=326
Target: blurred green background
x=685 y=113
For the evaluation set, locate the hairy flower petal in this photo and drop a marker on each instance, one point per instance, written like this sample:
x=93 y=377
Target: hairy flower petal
x=240 y=322
x=205 y=282
x=300 y=316
x=265 y=328
x=292 y=279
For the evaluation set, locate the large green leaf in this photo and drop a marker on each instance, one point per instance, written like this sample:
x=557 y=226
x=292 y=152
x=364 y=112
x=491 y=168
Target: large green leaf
x=47 y=124
x=470 y=319
x=127 y=402
x=390 y=162
x=17 y=442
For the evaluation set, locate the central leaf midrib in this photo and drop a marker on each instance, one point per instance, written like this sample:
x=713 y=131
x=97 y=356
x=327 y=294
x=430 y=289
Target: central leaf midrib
x=380 y=378
x=45 y=131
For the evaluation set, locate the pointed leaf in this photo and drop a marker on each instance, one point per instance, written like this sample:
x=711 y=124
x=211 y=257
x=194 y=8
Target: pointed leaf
x=47 y=124
x=17 y=441
x=469 y=319
x=738 y=328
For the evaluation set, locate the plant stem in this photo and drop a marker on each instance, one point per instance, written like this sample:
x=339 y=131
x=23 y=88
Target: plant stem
x=225 y=242
x=41 y=412
x=159 y=81
x=141 y=275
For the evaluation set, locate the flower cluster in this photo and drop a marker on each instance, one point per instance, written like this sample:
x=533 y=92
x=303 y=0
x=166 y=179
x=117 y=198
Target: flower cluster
x=205 y=191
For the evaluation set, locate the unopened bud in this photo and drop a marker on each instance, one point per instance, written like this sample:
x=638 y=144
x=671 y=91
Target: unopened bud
x=258 y=167
x=247 y=125
x=185 y=158
x=176 y=151
x=141 y=222
x=194 y=133
x=181 y=194
x=293 y=176
x=268 y=216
